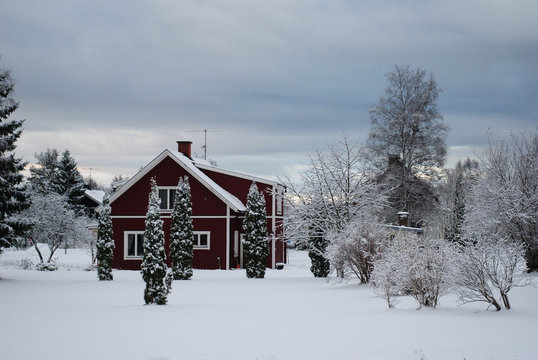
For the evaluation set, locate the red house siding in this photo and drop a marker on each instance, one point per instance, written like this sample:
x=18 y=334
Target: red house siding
x=209 y=214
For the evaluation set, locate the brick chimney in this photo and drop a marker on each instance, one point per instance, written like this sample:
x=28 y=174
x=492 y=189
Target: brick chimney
x=403 y=218
x=184 y=147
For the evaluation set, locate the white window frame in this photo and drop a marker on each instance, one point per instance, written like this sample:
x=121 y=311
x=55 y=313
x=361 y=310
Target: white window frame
x=198 y=233
x=126 y=234
x=279 y=200
x=168 y=197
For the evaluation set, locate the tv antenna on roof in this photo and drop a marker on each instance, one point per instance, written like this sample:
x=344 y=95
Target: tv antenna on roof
x=205 y=139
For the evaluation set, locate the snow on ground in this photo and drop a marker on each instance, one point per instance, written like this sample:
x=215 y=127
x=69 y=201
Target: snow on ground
x=69 y=314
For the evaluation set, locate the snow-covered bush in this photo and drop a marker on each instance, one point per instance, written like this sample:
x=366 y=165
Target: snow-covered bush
x=337 y=186
x=504 y=198
x=49 y=266
x=181 y=232
x=255 y=246
x=486 y=266
x=357 y=246
x=154 y=271
x=420 y=266
x=26 y=264
x=105 y=243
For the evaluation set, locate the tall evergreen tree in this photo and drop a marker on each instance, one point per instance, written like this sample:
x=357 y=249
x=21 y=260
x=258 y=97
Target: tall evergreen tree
x=454 y=233
x=255 y=246
x=154 y=270
x=105 y=243
x=41 y=175
x=181 y=232
x=13 y=198
x=68 y=181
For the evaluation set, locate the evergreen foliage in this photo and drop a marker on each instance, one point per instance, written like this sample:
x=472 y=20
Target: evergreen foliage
x=454 y=233
x=68 y=181
x=255 y=247
x=13 y=198
x=154 y=270
x=181 y=232
x=105 y=243
x=321 y=265
x=41 y=176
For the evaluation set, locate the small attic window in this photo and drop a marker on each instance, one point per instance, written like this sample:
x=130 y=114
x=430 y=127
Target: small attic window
x=167 y=195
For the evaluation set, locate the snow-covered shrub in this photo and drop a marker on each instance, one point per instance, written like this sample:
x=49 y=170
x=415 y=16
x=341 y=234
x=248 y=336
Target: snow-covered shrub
x=318 y=243
x=504 y=198
x=255 y=246
x=181 y=232
x=26 y=264
x=50 y=266
x=154 y=271
x=105 y=243
x=357 y=246
x=385 y=278
x=420 y=266
x=486 y=266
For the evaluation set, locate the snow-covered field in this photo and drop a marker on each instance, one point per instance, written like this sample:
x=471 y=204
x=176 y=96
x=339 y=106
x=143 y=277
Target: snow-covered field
x=68 y=314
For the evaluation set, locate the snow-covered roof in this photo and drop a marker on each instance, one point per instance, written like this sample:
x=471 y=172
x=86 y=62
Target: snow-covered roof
x=233 y=202
x=206 y=165
x=95 y=195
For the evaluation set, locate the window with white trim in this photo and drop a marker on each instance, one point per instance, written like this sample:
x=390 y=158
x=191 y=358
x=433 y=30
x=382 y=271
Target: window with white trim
x=134 y=244
x=166 y=196
x=279 y=200
x=200 y=240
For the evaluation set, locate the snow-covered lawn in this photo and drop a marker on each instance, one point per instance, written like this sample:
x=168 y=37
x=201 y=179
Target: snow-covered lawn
x=223 y=315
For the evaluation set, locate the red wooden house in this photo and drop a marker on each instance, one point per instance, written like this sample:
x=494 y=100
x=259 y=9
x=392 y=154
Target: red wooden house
x=218 y=209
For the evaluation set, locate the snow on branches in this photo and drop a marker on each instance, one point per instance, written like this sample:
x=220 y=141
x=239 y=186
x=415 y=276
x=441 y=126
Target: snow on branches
x=154 y=271
x=181 y=232
x=105 y=243
x=255 y=243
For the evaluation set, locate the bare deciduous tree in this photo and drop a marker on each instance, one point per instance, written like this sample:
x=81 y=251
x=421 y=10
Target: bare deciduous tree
x=336 y=187
x=504 y=199
x=406 y=124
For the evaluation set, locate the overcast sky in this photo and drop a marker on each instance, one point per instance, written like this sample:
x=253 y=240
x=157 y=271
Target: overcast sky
x=117 y=82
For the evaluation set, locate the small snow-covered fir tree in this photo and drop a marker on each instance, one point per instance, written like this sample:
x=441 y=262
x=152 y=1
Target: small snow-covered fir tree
x=105 y=243
x=154 y=270
x=255 y=247
x=181 y=247
x=13 y=198
x=455 y=230
x=68 y=181
x=317 y=251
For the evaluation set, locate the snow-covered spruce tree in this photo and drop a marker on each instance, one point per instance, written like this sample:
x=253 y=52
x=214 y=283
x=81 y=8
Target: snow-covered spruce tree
x=41 y=175
x=13 y=198
x=68 y=181
x=181 y=247
x=255 y=246
x=154 y=271
x=317 y=251
x=105 y=243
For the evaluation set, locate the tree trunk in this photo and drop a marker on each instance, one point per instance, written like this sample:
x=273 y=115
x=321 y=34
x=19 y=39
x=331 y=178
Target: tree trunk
x=506 y=303
x=38 y=252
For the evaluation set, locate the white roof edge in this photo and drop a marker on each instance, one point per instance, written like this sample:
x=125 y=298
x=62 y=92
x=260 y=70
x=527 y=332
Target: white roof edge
x=229 y=199
x=92 y=195
x=235 y=173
